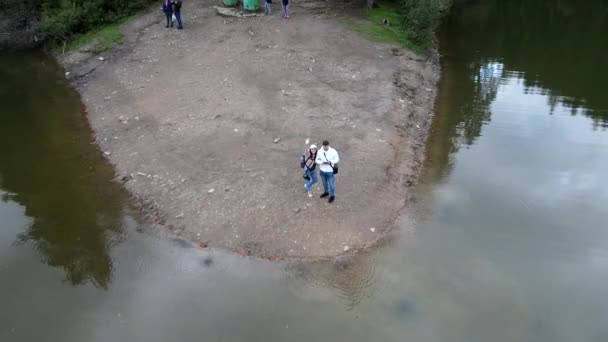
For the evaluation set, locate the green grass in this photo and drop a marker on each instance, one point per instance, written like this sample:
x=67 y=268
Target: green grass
x=373 y=25
x=99 y=40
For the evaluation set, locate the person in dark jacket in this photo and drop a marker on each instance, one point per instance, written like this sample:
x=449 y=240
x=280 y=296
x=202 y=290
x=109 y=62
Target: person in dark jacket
x=177 y=9
x=168 y=10
x=286 y=9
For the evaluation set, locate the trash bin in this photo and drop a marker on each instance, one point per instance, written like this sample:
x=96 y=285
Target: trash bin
x=251 y=5
x=231 y=3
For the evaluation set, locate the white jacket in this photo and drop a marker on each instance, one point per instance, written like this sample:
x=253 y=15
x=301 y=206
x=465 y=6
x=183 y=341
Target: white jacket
x=323 y=156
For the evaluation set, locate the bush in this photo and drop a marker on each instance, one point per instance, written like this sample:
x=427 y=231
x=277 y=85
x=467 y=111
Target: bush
x=420 y=18
x=60 y=25
x=62 y=20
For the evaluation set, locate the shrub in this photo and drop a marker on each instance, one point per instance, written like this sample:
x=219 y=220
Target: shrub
x=60 y=25
x=62 y=20
x=420 y=18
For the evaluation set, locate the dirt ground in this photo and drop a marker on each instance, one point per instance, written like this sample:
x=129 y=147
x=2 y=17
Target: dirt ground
x=189 y=119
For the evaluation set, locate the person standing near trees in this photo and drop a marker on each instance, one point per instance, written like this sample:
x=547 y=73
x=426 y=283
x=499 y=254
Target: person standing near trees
x=285 y=9
x=177 y=10
x=267 y=7
x=168 y=11
x=327 y=159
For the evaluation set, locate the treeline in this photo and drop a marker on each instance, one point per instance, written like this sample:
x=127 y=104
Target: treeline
x=420 y=17
x=61 y=20
x=57 y=21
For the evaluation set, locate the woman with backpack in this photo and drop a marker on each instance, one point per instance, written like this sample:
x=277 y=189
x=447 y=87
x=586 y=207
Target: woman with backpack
x=309 y=169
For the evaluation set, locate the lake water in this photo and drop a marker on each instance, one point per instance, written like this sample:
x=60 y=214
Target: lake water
x=506 y=239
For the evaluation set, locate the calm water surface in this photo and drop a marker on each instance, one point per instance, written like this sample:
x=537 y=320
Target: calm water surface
x=506 y=241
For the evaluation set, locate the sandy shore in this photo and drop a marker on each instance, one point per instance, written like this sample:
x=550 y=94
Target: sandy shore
x=189 y=119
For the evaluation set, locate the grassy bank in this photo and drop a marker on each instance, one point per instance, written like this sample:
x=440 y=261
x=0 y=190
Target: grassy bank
x=384 y=24
x=69 y=24
x=408 y=23
x=100 y=39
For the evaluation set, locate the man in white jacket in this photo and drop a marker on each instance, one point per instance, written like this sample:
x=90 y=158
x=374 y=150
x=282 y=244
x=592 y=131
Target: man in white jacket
x=327 y=159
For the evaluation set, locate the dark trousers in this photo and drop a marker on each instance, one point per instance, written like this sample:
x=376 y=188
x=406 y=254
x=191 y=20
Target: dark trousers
x=168 y=15
x=178 y=16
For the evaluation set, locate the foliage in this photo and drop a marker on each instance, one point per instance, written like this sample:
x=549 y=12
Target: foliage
x=409 y=23
x=383 y=24
x=65 y=20
x=420 y=18
x=99 y=40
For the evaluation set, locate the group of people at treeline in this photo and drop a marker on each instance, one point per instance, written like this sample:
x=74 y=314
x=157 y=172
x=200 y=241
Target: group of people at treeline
x=173 y=10
x=268 y=8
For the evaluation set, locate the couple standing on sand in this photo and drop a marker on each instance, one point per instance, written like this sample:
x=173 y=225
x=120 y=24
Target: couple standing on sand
x=268 y=8
x=173 y=8
x=327 y=159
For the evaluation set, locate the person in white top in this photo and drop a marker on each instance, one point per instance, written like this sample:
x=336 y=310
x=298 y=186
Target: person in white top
x=327 y=159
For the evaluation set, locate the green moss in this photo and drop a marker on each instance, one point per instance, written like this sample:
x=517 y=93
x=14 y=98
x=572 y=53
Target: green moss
x=383 y=24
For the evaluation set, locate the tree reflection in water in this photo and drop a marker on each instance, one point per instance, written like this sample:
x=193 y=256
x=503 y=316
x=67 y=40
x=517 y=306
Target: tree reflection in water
x=538 y=42
x=49 y=166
